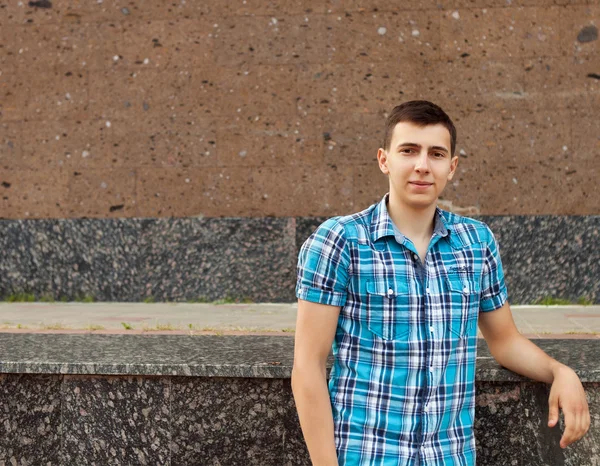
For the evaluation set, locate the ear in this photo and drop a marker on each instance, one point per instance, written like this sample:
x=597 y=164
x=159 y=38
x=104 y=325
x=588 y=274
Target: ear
x=382 y=160
x=453 y=165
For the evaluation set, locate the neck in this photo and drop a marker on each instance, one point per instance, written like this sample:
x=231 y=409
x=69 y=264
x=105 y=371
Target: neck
x=414 y=223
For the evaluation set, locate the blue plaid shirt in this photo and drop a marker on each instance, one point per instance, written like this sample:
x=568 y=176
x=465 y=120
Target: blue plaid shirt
x=402 y=386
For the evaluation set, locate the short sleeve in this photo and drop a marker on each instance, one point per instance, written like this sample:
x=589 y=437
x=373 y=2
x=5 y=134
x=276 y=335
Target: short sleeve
x=493 y=289
x=323 y=265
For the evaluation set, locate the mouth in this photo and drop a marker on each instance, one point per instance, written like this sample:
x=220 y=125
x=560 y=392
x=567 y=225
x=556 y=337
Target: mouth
x=420 y=183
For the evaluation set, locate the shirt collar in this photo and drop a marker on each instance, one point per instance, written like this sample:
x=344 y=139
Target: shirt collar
x=382 y=225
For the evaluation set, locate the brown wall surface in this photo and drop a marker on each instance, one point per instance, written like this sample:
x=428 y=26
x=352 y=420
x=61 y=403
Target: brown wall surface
x=111 y=108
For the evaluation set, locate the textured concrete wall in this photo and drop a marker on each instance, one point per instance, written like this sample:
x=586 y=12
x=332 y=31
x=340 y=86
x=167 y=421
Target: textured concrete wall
x=111 y=108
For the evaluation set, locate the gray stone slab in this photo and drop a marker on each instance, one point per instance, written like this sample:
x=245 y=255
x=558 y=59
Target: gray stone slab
x=547 y=255
x=228 y=421
x=498 y=444
x=295 y=451
x=190 y=258
x=30 y=419
x=541 y=445
x=251 y=356
x=24 y=262
x=170 y=259
x=523 y=437
x=116 y=420
x=76 y=256
x=177 y=259
x=206 y=355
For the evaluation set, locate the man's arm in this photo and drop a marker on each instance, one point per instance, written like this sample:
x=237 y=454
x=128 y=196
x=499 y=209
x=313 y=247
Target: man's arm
x=315 y=330
x=518 y=354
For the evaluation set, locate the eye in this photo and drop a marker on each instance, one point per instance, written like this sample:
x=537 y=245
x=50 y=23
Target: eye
x=407 y=150
x=439 y=154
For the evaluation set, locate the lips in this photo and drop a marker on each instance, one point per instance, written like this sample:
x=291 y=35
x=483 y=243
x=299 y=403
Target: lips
x=420 y=183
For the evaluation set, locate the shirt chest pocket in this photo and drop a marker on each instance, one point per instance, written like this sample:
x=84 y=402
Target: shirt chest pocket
x=463 y=294
x=388 y=309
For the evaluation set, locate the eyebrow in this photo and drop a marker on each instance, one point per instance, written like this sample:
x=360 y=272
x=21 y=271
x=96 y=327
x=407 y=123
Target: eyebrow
x=413 y=144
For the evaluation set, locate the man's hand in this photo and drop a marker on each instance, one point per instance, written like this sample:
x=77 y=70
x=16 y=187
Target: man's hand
x=567 y=393
x=518 y=354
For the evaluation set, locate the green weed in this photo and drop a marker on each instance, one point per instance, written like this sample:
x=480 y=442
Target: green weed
x=93 y=327
x=160 y=327
x=56 y=326
x=232 y=300
x=200 y=299
x=584 y=301
x=550 y=301
x=21 y=298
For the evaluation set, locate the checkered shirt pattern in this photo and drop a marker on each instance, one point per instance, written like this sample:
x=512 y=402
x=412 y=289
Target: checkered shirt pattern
x=402 y=386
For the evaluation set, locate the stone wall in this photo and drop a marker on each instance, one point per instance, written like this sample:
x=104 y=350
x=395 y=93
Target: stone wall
x=184 y=259
x=262 y=108
x=174 y=400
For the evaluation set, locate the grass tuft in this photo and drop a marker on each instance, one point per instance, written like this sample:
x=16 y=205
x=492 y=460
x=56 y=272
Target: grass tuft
x=200 y=299
x=55 y=326
x=93 y=327
x=158 y=327
x=552 y=301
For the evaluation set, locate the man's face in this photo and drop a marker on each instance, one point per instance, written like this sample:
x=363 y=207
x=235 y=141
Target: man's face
x=418 y=163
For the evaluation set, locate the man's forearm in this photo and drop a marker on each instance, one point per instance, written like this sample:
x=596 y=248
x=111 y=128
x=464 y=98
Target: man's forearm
x=523 y=357
x=309 y=386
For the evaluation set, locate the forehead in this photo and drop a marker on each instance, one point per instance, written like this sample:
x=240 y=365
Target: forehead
x=430 y=135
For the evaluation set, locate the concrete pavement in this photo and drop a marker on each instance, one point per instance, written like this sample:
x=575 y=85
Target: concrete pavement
x=263 y=318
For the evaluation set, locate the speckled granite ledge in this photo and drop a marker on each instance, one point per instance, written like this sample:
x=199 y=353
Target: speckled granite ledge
x=177 y=259
x=227 y=400
x=219 y=356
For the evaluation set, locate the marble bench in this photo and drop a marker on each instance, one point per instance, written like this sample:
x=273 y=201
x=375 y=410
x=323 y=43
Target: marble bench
x=73 y=399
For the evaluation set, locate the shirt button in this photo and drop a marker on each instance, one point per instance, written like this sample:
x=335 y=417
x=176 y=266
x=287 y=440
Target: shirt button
x=416 y=257
x=431 y=329
x=390 y=292
x=428 y=290
x=430 y=368
x=466 y=289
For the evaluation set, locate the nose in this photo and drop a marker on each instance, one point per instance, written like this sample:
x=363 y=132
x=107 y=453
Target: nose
x=422 y=164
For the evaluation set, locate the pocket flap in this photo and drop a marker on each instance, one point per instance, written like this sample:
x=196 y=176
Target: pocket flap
x=387 y=288
x=460 y=283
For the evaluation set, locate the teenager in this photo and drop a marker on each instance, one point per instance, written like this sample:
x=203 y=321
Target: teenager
x=398 y=291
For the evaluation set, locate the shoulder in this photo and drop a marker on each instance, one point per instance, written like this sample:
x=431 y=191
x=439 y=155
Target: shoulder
x=352 y=228
x=467 y=230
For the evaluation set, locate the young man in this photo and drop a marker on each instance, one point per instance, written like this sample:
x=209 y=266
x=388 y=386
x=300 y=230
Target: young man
x=398 y=289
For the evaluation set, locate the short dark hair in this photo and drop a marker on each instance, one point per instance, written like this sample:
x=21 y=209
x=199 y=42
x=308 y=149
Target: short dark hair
x=420 y=113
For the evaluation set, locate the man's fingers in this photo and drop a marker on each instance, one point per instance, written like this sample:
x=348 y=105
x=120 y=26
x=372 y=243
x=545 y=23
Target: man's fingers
x=553 y=411
x=571 y=422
